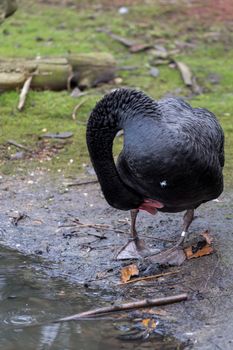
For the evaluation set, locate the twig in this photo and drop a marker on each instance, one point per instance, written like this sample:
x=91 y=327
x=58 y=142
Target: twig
x=76 y=223
x=24 y=92
x=150 y=277
x=124 y=41
x=69 y=184
x=126 y=306
x=12 y=142
x=76 y=108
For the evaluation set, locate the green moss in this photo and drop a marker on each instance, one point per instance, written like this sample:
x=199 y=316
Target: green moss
x=54 y=31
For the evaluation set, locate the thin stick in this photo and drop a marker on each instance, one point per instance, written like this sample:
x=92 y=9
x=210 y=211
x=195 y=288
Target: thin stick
x=126 y=306
x=95 y=226
x=24 y=92
x=69 y=184
x=150 y=277
x=12 y=142
x=76 y=108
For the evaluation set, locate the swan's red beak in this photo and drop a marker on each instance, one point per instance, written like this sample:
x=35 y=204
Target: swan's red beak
x=151 y=205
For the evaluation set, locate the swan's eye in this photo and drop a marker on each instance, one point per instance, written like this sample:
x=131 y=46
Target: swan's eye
x=163 y=183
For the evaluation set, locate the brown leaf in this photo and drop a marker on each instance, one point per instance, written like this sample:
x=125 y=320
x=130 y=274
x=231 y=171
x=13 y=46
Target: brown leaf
x=206 y=250
x=128 y=271
x=207 y=237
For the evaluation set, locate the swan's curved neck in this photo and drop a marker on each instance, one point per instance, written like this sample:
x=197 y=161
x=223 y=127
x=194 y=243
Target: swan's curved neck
x=106 y=119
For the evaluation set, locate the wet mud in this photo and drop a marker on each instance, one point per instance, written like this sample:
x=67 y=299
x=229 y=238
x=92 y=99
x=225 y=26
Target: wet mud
x=76 y=236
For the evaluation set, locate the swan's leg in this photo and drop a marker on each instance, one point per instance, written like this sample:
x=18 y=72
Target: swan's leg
x=140 y=245
x=133 y=231
x=188 y=218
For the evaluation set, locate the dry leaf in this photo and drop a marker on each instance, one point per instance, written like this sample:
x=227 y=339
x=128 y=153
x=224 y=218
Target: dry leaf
x=207 y=237
x=128 y=271
x=206 y=250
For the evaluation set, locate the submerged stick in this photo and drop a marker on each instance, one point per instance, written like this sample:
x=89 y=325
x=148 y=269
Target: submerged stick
x=126 y=306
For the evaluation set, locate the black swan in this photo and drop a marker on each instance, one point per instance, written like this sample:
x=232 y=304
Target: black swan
x=172 y=157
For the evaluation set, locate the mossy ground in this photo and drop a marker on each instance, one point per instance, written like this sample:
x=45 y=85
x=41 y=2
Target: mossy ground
x=48 y=30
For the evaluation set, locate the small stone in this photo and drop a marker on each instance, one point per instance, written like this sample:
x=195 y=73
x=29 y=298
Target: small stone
x=123 y=10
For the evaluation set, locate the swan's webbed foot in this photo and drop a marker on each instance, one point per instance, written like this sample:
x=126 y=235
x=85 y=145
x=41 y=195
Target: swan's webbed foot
x=175 y=255
x=135 y=248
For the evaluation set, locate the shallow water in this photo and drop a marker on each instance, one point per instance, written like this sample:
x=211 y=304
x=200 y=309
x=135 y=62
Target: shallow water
x=30 y=299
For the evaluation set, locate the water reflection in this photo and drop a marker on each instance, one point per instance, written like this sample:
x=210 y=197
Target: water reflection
x=28 y=297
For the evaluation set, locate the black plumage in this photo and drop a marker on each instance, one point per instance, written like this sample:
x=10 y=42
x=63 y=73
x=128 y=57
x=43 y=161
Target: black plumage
x=172 y=153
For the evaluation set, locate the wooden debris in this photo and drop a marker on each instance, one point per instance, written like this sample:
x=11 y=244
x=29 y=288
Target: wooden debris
x=58 y=135
x=139 y=279
x=129 y=271
x=58 y=73
x=76 y=108
x=126 y=306
x=18 y=145
x=140 y=47
x=91 y=69
x=103 y=227
x=24 y=92
x=124 y=41
x=88 y=182
x=185 y=73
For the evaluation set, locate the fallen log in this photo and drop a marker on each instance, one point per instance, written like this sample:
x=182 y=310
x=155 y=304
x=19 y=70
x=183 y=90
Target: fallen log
x=91 y=69
x=57 y=73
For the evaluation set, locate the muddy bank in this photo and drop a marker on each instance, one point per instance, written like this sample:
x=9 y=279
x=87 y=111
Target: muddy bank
x=58 y=224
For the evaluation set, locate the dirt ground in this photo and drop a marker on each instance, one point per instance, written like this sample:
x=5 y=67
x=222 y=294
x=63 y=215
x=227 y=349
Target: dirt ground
x=54 y=222
x=205 y=11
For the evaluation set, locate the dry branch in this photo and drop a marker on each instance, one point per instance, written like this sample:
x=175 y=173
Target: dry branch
x=24 y=92
x=69 y=184
x=185 y=73
x=18 y=145
x=124 y=41
x=126 y=306
x=76 y=108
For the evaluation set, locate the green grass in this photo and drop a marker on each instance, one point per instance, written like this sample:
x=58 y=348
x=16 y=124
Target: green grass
x=55 y=31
